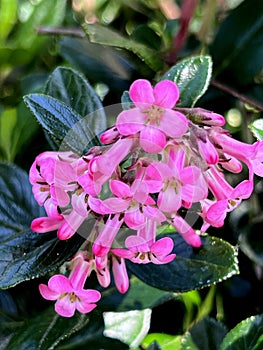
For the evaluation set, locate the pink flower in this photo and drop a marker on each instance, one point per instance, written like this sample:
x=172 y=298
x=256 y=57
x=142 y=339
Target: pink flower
x=177 y=185
x=101 y=167
x=103 y=242
x=68 y=291
x=143 y=249
x=153 y=116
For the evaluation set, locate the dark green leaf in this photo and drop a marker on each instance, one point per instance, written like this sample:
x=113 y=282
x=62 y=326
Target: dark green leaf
x=192 y=268
x=247 y=335
x=192 y=75
x=105 y=36
x=145 y=35
x=63 y=123
x=240 y=39
x=46 y=330
x=205 y=335
x=26 y=254
x=71 y=87
x=115 y=71
x=91 y=337
x=139 y=296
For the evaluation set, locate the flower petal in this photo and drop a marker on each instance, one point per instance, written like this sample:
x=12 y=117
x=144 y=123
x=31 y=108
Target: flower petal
x=141 y=92
x=152 y=140
x=64 y=307
x=60 y=284
x=48 y=293
x=120 y=189
x=170 y=200
x=173 y=124
x=162 y=247
x=166 y=94
x=130 y=121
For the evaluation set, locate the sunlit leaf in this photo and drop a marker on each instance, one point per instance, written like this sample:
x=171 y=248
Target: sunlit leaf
x=192 y=75
x=256 y=128
x=130 y=327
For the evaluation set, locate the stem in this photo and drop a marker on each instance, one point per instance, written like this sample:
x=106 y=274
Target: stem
x=61 y=31
x=236 y=94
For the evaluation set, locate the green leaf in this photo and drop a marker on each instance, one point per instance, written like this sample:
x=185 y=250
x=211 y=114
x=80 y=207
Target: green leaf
x=41 y=13
x=205 y=335
x=192 y=75
x=105 y=36
x=64 y=124
x=8 y=121
x=91 y=336
x=165 y=341
x=129 y=327
x=192 y=268
x=247 y=335
x=240 y=39
x=71 y=87
x=256 y=128
x=25 y=254
x=139 y=296
x=116 y=71
x=8 y=14
x=17 y=128
x=45 y=331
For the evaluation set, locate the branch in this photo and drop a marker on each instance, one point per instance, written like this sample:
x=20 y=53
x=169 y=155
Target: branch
x=238 y=95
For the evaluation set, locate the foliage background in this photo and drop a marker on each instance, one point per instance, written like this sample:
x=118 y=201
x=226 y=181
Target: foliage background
x=131 y=40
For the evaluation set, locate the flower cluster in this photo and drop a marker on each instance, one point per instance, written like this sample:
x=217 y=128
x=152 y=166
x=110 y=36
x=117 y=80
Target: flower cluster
x=156 y=162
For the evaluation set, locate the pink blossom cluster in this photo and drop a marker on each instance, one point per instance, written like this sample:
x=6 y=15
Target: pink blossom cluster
x=155 y=162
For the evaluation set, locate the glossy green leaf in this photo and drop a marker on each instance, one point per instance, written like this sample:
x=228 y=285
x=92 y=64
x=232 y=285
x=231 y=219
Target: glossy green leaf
x=256 y=128
x=25 y=254
x=129 y=327
x=63 y=124
x=105 y=36
x=238 y=42
x=205 y=335
x=46 y=331
x=192 y=75
x=247 y=335
x=69 y=86
x=192 y=268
